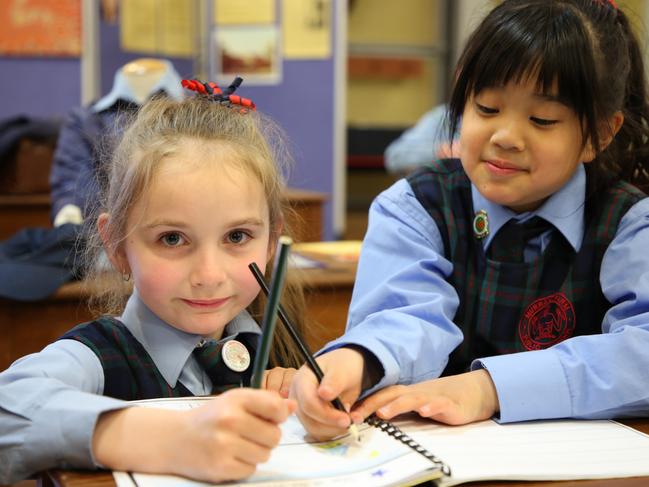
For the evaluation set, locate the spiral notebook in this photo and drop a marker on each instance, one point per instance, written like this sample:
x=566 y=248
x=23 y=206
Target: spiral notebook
x=449 y=455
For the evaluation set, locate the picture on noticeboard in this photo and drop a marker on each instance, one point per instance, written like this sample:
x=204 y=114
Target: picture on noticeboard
x=252 y=52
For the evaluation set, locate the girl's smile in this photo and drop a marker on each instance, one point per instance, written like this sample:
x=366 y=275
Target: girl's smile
x=205 y=303
x=501 y=167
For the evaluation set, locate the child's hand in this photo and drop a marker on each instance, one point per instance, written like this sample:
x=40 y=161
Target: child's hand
x=223 y=440
x=343 y=373
x=232 y=434
x=456 y=399
x=278 y=379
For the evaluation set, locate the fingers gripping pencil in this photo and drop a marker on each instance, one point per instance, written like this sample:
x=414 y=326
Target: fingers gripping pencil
x=306 y=354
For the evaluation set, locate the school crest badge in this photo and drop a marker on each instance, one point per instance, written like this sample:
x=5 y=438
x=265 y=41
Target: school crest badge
x=547 y=321
x=480 y=224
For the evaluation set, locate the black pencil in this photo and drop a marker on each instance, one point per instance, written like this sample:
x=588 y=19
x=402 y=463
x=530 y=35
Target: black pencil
x=308 y=356
x=270 y=313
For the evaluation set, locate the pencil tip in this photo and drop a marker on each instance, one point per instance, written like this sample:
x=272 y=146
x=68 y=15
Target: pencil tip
x=353 y=429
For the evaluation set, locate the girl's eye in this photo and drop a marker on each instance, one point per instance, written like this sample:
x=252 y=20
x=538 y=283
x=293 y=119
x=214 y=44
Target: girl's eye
x=543 y=121
x=172 y=239
x=486 y=110
x=238 y=237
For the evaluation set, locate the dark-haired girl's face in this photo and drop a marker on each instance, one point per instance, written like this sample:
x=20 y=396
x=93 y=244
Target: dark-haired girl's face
x=519 y=146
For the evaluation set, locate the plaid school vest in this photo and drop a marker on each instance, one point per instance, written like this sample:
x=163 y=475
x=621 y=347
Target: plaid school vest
x=129 y=371
x=510 y=307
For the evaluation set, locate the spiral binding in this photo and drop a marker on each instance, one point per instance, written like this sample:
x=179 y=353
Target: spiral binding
x=398 y=434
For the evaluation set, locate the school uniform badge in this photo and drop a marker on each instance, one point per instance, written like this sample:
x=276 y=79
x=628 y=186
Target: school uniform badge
x=480 y=225
x=547 y=321
x=235 y=355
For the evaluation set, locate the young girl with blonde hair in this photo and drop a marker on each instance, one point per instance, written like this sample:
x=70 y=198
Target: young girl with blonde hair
x=193 y=195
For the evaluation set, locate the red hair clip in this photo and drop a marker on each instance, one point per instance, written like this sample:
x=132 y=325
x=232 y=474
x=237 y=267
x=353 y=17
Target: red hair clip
x=224 y=97
x=610 y=2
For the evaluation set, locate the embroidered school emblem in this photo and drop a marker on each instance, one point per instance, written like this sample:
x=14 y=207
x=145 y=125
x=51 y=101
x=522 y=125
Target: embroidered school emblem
x=480 y=224
x=547 y=321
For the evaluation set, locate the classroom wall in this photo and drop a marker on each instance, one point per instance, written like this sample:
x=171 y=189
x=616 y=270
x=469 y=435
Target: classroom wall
x=38 y=86
x=113 y=58
x=412 y=31
x=303 y=103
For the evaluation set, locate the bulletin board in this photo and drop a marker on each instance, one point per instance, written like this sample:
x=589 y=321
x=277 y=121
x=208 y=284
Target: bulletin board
x=249 y=38
x=158 y=27
x=40 y=28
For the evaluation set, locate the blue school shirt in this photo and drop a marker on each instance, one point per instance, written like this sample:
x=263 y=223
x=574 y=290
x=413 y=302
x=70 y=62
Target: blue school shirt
x=402 y=310
x=50 y=401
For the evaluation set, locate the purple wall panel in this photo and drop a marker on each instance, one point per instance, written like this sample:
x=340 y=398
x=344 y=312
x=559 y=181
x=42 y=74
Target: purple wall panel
x=303 y=106
x=39 y=86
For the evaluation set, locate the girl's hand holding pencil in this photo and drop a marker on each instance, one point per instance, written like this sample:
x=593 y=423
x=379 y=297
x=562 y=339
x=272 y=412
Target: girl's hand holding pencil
x=236 y=431
x=343 y=373
x=222 y=440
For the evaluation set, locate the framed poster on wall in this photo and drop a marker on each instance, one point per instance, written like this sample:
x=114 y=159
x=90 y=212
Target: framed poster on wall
x=250 y=51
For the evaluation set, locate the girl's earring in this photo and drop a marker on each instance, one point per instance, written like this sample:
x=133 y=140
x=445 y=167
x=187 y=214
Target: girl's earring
x=126 y=276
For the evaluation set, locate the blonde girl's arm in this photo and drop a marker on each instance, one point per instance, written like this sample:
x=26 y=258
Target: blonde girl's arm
x=222 y=440
x=43 y=394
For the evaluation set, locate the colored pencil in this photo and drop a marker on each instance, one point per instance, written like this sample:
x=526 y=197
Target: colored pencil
x=270 y=313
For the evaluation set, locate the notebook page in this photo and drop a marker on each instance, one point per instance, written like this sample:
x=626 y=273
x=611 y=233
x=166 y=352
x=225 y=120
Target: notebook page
x=538 y=450
x=378 y=460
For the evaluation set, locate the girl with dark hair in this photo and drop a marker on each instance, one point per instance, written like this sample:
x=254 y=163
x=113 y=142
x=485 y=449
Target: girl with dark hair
x=511 y=281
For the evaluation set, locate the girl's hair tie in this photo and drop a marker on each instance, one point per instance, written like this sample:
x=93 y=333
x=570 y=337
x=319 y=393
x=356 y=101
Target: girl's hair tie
x=223 y=97
x=610 y=2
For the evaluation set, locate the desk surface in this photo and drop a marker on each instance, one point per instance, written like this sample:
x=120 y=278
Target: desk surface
x=327 y=290
x=104 y=479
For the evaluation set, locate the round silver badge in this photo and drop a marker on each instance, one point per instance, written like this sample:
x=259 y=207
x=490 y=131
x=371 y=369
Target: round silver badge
x=235 y=355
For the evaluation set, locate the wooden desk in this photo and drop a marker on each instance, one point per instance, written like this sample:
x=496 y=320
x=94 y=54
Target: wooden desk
x=28 y=327
x=23 y=210
x=33 y=210
x=104 y=479
x=307 y=221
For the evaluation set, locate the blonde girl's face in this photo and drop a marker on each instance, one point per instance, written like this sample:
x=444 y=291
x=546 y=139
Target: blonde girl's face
x=193 y=233
x=518 y=146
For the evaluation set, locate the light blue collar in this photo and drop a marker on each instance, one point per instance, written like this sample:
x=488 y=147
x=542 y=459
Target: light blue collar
x=169 y=83
x=169 y=347
x=564 y=209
